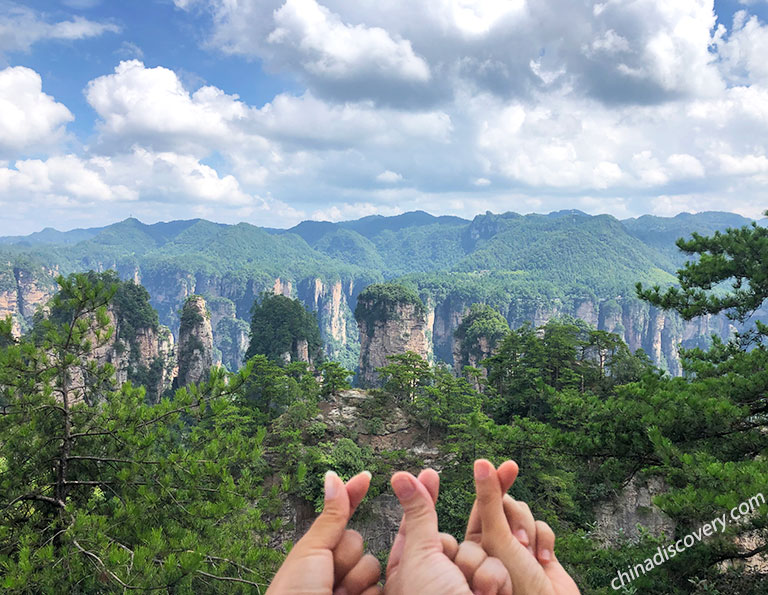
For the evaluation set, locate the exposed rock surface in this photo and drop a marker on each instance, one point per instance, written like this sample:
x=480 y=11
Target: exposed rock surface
x=22 y=292
x=641 y=326
x=618 y=518
x=195 y=348
x=379 y=519
x=388 y=326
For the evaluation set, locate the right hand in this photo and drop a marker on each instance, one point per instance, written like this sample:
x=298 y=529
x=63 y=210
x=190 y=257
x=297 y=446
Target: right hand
x=507 y=530
x=422 y=565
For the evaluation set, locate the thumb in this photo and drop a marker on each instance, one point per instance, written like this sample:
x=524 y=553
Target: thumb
x=420 y=515
x=328 y=529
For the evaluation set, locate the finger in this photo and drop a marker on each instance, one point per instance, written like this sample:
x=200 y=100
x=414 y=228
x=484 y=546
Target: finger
x=474 y=530
x=507 y=472
x=469 y=558
x=491 y=578
x=521 y=522
x=545 y=554
x=365 y=574
x=328 y=529
x=495 y=530
x=375 y=590
x=357 y=488
x=431 y=481
x=450 y=545
x=347 y=554
x=420 y=514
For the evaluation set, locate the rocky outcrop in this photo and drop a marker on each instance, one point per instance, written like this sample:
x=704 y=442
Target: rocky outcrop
x=195 y=350
x=22 y=291
x=379 y=522
x=660 y=334
x=619 y=520
x=391 y=320
x=230 y=334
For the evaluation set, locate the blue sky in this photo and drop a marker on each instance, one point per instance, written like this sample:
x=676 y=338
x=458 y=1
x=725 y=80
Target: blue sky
x=274 y=111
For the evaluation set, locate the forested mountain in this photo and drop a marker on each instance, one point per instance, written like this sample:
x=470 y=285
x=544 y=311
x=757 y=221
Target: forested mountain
x=530 y=268
x=112 y=480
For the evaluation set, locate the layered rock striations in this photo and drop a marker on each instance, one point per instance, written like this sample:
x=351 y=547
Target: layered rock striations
x=195 y=347
x=391 y=320
x=24 y=289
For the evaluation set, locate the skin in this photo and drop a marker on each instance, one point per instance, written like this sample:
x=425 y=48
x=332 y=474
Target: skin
x=329 y=558
x=507 y=530
x=419 y=562
x=506 y=550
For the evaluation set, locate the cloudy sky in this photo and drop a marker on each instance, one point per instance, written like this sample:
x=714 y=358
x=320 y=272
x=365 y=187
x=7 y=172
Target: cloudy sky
x=274 y=111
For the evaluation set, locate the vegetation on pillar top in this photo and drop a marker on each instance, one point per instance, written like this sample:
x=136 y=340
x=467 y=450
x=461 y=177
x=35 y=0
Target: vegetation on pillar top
x=381 y=302
x=278 y=324
x=482 y=321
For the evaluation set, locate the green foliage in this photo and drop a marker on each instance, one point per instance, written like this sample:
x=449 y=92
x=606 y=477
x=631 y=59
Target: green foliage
x=335 y=378
x=405 y=374
x=737 y=256
x=381 y=302
x=278 y=325
x=100 y=491
x=481 y=324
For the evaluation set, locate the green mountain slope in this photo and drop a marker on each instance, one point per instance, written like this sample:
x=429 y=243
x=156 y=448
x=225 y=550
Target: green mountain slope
x=528 y=266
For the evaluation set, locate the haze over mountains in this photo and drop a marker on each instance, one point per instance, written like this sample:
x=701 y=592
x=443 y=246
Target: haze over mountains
x=529 y=267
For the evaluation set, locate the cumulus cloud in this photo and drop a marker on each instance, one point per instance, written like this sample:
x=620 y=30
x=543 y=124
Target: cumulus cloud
x=389 y=177
x=327 y=47
x=152 y=107
x=454 y=106
x=140 y=181
x=21 y=27
x=30 y=120
x=618 y=52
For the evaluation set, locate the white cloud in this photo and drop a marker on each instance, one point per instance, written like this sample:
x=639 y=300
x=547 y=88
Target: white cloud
x=744 y=51
x=478 y=104
x=389 y=177
x=29 y=119
x=139 y=182
x=626 y=52
x=685 y=166
x=328 y=47
x=151 y=106
x=348 y=212
x=21 y=27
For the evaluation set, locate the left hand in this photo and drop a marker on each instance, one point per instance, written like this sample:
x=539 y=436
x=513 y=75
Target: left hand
x=329 y=558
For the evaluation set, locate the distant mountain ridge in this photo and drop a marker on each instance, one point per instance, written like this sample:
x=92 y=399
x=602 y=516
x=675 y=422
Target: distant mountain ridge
x=529 y=267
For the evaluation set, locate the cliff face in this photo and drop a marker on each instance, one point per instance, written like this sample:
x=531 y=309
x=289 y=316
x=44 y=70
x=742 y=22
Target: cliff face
x=22 y=292
x=618 y=518
x=195 y=348
x=332 y=300
x=388 y=327
x=641 y=326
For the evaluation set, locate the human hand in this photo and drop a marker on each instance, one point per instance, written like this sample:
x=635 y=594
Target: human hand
x=423 y=561
x=507 y=530
x=329 y=558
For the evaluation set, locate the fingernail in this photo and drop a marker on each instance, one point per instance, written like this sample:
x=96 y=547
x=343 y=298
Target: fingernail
x=403 y=486
x=482 y=469
x=331 y=485
x=368 y=473
x=545 y=555
x=522 y=536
